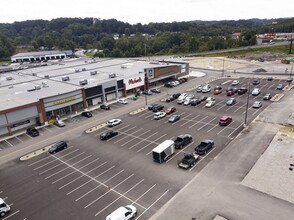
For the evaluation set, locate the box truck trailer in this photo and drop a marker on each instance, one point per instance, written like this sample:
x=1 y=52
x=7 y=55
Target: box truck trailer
x=163 y=151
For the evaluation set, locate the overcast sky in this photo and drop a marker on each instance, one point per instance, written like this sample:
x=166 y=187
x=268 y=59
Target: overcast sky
x=138 y=11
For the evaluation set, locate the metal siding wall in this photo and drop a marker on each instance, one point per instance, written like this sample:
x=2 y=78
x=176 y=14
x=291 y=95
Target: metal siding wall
x=32 y=122
x=3 y=131
x=30 y=112
x=3 y=120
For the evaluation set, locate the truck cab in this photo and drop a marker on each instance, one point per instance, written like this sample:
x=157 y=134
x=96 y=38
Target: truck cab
x=182 y=141
x=4 y=208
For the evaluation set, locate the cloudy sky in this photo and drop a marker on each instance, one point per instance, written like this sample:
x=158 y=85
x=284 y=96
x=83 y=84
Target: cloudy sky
x=136 y=11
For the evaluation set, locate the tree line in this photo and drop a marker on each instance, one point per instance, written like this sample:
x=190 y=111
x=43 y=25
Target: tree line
x=134 y=40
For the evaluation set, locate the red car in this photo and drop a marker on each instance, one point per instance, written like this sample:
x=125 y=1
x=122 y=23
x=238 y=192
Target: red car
x=230 y=93
x=170 y=110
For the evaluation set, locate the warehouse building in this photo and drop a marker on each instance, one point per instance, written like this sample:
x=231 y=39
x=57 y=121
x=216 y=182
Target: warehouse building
x=36 y=96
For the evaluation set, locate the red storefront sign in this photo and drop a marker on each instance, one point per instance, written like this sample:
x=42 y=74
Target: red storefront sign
x=134 y=81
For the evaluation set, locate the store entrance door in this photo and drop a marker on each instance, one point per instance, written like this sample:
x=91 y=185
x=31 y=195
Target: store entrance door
x=63 y=111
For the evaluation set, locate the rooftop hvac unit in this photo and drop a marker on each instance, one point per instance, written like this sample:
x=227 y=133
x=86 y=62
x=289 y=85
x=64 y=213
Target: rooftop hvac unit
x=31 y=90
x=65 y=78
x=77 y=70
x=83 y=82
x=123 y=66
x=84 y=69
x=10 y=87
x=112 y=75
x=46 y=77
x=37 y=87
x=34 y=74
x=93 y=73
x=45 y=84
x=9 y=78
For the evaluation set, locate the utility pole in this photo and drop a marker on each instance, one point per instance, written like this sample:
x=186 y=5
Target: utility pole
x=223 y=71
x=291 y=42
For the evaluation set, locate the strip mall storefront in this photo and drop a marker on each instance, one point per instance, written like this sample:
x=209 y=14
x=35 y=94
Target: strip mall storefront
x=134 y=83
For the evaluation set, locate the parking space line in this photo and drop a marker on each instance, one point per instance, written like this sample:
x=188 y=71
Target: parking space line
x=55 y=160
x=202 y=158
x=124 y=127
x=80 y=186
x=145 y=193
x=99 y=185
x=212 y=128
x=91 y=203
x=199 y=122
x=1 y=192
x=67 y=167
x=75 y=171
x=83 y=174
x=120 y=197
x=226 y=82
x=205 y=124
x=151 y=143
x=143 y=140
x=180 y=151
x=135 y=138
x=235 y=129
x=190 y=120
x=47 y=129
x=51 y=168
x=143 y=114
x=222 y=129
x=131 y=135
x=12 y=214
x=152 y=204
x=242 y=106
x=149 y=116
x=38 y=161
x=9 y=143
x=121 y=133
x=19 y=139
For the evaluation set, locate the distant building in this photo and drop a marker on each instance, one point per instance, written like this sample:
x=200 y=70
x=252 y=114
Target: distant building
x=264 y=38
x=236 y=35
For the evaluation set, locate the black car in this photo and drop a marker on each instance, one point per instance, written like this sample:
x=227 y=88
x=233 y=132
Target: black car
x=242 y=90
x=168 y=85
x=270 y=78
x=290 y=79
x=155 y=90
x=170 y=99
x=255 y=82
x=108 y=134
x=217 y=88
x=157 y=108
x=195 y=102
x=150 y=107
x=87 y=114
x=202 y=98
x=105 y=107
x=204 y=147
x=147 y=92
x=33 y=132
x=174 y=118
x=176 y=95
x=57 y=147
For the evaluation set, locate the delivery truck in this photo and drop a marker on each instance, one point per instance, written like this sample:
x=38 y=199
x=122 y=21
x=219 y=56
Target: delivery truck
x=163 y=151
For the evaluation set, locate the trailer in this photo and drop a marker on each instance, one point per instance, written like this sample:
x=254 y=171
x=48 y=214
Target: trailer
x=163 y=151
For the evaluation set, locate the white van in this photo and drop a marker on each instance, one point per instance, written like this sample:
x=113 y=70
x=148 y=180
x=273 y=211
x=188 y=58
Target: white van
x=4 y=208
x=123 y=101
x=123 y=213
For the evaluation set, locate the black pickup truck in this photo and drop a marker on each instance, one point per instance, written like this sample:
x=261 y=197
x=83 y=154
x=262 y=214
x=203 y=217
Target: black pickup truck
x=204 y=147
x=188 y=161
x=182 y=141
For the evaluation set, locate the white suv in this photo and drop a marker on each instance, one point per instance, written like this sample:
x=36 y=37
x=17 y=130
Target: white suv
x=255 y=91
x=159 y=115
x=4 y=208
x=123 y=101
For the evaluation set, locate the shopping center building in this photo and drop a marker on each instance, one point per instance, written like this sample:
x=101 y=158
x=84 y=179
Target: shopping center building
x=36 y=96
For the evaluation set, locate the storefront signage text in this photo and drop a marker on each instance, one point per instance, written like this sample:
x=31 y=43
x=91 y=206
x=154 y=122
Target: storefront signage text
x=133 y=81
x=64 y=100
x=21 y=123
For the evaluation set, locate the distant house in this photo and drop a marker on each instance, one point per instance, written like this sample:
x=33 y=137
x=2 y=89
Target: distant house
x=236 y=35
x=264 y=38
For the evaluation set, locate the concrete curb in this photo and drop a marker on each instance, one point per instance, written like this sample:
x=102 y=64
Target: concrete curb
x=138 y=111
x=90 y=130
x=277 y=97
x=35 y=153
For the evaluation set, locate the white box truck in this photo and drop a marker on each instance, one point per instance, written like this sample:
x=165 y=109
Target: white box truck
x=163 y=151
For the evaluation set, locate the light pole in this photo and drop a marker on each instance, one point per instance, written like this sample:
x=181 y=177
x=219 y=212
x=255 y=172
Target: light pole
x=223 y=71
x=247 y=103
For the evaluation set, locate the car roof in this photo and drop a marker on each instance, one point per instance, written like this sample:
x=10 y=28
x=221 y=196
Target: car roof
x=224 y=117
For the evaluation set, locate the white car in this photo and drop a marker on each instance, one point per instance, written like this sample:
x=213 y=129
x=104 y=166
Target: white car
x=59 y=123
x=235 y=82
x=159 y=115
x=113 y=122
x=257 y=104
x=209 y=104
x=187 y=101
x=255 y=91
x=210 y=99
x=123 y=101
x=206 y=88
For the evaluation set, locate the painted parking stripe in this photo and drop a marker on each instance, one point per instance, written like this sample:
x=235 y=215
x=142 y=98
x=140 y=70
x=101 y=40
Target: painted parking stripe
x=99 y=185
x=242 y=106
x=12 y=214
x=151 y=143
x=236 y=129
x=85 y=158
x=144 y=193
x=212 y=128
x=206 y=124
x=75 y=171
x=199 y=122
x=135 y=138
x=124 y=137
x=9 y=143
x=38 y=161
x=191 y=120
x=143 y=140
x=131 y=135
x=120 y=197
x=19 y=139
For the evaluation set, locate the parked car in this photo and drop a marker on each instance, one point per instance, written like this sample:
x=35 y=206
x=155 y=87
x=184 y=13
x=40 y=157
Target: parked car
x=157 y=108
x=280 y=87
x=204 y=147
x=170 y=99
x=195 y=102
x=202 y=98
x=187 y=101
x=206 y=88
x=230 y=93
x=242 y=90
x=257 y=104
x=150 y=107
x=4 y=208
x=255 y=91
x=176 y=95
x=57 y=147
x=114 y=122
x=123 y=213
x=217 y=90
x=155 y=90
x=210 y=104
x=231 y=101
x=33 y=132
x=225 y=120
x=235 y=82
x=147 y=92
x=290 y=79
x=108 y=134
x=159 y=115
x=270 y=78
x=123 y=101
x=168 y=85
x=87 y=114
x=174 y=118
x=267 y=96
x=210 y=99
x=199 y=89
x=255 y=82
x=170 y=110
x=105 y=107
x=59 y=123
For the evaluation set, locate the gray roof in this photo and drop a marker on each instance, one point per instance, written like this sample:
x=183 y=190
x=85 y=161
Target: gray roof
x=39 y=53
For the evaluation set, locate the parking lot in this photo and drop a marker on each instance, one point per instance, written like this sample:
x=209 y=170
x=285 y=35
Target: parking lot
x=92 y=177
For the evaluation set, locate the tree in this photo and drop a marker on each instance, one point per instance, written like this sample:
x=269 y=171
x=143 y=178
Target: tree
x=48 y=42
x=6 y=47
